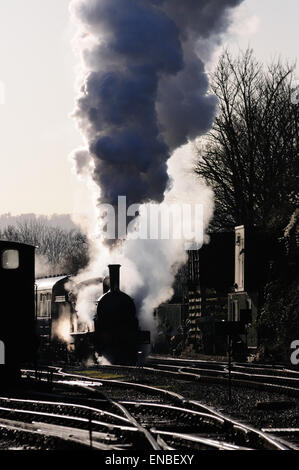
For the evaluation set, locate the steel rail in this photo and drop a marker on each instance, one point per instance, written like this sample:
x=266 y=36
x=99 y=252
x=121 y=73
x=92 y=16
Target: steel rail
x=68 y=434
x=63 y=417
x=65 y=404
x=129 y=418
x=201 y=440
x=245 y=428
x=218 y=365
x=269 y=440
x=220 y=421
x=250 y=380
x=173 y=395
x=215 y=372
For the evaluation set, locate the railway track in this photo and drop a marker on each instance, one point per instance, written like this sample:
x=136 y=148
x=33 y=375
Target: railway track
x=258 y=376
x=71 y=422
x=156 y=418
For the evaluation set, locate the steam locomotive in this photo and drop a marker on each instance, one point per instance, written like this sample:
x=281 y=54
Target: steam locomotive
x=29 y=319
x=116 y=326
x=114 y=333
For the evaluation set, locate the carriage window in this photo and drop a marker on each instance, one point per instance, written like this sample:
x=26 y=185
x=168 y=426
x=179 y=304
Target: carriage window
x=10 y=259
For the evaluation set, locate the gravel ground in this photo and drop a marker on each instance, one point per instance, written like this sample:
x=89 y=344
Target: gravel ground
x=244 y=405
x=19 y=440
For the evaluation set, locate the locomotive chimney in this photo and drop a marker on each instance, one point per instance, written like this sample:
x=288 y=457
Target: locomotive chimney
x=114 y=277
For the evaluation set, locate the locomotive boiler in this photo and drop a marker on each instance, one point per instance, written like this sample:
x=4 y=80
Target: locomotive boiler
x=117 y=333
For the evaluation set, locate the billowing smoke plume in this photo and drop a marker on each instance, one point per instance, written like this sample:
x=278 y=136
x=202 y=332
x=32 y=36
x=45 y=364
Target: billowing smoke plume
x=144 y=91
x=143 y=94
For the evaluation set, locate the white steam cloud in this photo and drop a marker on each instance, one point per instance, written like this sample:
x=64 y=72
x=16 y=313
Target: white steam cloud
x=142 y=97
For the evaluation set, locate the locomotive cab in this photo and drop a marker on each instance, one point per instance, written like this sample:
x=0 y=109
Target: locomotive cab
x=18 y=338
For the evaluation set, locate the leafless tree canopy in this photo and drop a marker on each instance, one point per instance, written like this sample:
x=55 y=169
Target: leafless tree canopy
x=250 y=155
x=63 y=250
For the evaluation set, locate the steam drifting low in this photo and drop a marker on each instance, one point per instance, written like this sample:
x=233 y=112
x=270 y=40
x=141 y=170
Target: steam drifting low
x=143 y=94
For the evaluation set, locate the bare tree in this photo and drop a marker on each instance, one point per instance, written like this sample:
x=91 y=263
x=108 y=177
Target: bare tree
x=63 y=250
x=76 y=254
x=249 y=157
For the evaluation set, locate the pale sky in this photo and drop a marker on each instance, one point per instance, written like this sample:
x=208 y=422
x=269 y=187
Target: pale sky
x=37 y=73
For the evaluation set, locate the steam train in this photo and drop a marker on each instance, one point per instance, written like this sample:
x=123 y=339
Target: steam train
x=114 y=332
x=32 y=310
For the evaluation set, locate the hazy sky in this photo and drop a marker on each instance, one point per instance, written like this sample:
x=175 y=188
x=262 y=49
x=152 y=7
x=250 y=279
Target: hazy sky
x=37 y=72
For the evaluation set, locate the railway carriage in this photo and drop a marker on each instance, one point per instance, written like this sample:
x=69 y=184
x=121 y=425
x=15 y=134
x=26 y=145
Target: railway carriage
x=18 y=336
x=60 y=329
x=52 y=303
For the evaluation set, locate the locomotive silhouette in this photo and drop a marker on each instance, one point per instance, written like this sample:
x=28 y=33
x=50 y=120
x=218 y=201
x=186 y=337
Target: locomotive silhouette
x=117 y=333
